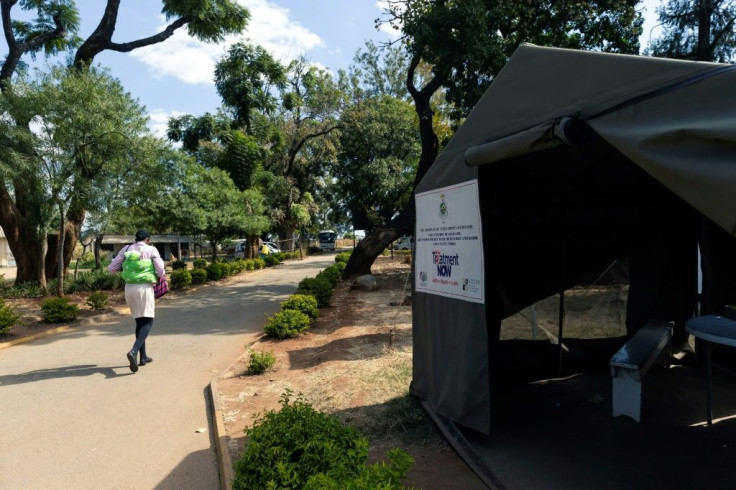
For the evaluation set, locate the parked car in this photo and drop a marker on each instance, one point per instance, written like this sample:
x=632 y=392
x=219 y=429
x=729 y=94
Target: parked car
x=404 y=243
x=272 y=247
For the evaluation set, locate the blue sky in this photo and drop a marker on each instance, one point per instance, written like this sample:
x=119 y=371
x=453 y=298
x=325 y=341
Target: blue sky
x=175 y=77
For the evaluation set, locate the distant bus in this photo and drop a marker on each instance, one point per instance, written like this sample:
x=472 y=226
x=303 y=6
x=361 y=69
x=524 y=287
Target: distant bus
x=327 y=240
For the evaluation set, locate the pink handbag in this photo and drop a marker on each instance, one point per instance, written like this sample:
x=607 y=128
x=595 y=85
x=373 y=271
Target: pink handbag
x=160 y=288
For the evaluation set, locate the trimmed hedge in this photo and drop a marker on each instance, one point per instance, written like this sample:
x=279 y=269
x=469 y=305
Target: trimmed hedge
x=286 y=324
x=59 y=310
x=199 y=276
x=306 y=303
x=8 y=317
x=181 y=279
x=319 y=287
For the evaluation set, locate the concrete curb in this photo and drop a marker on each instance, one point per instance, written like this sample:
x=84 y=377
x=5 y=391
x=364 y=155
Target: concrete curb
x=224 y=463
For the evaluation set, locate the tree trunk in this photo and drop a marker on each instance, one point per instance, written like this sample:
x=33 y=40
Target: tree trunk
x=41 y=247
x=705 y=13
x=98 y=247
x=24 y=242
x=60 y=255
x=377 y=240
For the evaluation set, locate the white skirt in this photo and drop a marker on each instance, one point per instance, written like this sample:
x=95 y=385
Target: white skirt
x=140 y=300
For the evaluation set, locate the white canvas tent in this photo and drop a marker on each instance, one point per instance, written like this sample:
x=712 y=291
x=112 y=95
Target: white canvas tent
x=578 y=158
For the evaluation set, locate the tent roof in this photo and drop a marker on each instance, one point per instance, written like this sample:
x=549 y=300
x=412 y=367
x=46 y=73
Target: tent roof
x=675 y=119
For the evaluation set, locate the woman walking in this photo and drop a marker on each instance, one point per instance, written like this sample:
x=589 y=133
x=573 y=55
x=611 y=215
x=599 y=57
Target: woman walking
x=142 y=267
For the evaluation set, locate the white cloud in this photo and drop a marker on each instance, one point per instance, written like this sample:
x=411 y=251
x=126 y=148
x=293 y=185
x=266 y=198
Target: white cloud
x=159 y=120
x=385 y=27
x=192 y=61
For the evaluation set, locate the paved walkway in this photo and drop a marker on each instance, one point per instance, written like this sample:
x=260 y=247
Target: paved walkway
x=74 y=416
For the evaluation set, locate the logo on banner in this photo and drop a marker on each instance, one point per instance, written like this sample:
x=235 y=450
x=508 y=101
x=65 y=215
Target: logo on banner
x=443 y=208
x=423 y=277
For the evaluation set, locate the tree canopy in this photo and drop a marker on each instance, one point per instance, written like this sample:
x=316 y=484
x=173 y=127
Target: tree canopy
x=53 y=29
x=696 y=30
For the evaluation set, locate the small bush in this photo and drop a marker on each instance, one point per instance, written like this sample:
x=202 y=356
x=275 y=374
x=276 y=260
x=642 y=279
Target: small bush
x=259 y=263
x=343 y=257
x=319 y=287
x=95 y=280
x=306 y=303
x=199 y=276
x=249 y=264
x=312 y=250
x=59 y=310
x=178 y=265
x=270 y=260
x=25 y=290
x=216 y=271
x=260 y=361
x=199 y=264
x=181 y=279
x=286 y=324
x=332 y=274
x=378 y=475
x=287 y=447
x=97 y=300
x=8 y=317
x=340 y=266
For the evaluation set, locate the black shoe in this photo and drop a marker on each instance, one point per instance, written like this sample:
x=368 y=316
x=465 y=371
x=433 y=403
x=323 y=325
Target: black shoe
x=145 y=360
x=131 y=358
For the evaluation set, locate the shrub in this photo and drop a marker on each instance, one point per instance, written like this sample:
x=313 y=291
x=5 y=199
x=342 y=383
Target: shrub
x=8 y=317
x=199 y=276
x=287 y=447
x=260 y=361
x=249 y=264
x=181 y=279
x=199 y=264
x=216 y=271
x=343 y=257
x=97 y=300
x=259 y=263
x=332 y=274
x=286 y=324
x=94 y=280
x=312 y=250
x=25 y=290
x=178 y=265
x=340 y=266
x=306 y=303
x=270 y=260
x=319 y=287
x=378 y=475
x=59 y=310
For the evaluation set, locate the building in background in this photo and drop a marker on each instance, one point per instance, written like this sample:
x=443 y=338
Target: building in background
x=6 y=256
x=181 y=247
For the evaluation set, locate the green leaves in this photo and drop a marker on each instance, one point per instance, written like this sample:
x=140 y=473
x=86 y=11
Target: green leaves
x=468 y=42
x=209 y=20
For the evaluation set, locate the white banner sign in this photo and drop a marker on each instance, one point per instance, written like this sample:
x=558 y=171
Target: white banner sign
x=449 y=243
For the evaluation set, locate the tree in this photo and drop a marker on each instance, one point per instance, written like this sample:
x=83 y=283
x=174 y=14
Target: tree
x=466 y=44
x=379 y=151
x=201 y=201
x=308 y=120
x=53 y=31
x=245 y=78
x=699 y=30
x=83 y=128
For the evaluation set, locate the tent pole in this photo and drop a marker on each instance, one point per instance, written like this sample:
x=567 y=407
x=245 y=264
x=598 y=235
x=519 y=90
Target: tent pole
x=561 y=318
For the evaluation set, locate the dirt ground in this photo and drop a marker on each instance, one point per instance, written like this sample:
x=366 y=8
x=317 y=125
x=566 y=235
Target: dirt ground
x=355 y=363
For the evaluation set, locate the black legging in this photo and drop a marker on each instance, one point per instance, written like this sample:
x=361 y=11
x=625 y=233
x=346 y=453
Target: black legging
x=143 y=327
